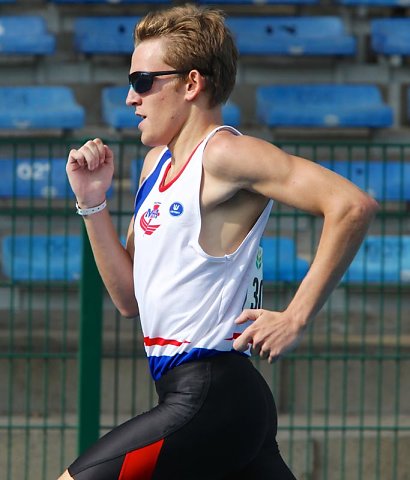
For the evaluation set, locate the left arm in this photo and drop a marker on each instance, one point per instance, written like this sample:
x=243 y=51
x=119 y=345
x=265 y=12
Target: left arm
x=347 y=212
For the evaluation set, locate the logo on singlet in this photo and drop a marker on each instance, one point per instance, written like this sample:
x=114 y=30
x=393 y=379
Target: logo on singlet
x=148 y=217
x=176 y=209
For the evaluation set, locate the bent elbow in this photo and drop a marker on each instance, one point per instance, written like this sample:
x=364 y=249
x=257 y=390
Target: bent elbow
x=363 y=209
x=128 y=311
x=369 y=207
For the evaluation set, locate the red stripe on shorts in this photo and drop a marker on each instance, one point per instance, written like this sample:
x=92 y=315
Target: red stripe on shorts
x=141 y=463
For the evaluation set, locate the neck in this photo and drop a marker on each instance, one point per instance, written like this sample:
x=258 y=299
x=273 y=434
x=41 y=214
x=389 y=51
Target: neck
x=193 y=132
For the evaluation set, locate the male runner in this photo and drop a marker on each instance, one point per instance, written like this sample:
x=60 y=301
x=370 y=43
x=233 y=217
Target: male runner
x=204 y=199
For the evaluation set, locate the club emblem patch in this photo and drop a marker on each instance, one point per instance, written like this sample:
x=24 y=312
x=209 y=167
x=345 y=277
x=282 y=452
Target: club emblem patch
x=148 y=219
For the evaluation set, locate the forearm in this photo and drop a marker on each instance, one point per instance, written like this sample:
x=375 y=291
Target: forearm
x=113 y=261
x=342 y=234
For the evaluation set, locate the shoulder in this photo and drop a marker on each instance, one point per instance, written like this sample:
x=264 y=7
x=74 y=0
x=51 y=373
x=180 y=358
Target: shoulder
x=241 y=158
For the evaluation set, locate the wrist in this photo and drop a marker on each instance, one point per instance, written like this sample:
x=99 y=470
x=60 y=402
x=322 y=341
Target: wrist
x=299 y=319
x=90 y=203
x=85 y=212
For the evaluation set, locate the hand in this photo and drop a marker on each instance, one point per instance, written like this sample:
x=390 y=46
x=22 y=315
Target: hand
x=271 y=334
x=90 y=170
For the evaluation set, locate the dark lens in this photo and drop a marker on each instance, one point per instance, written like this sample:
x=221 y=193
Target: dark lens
x=141 y=81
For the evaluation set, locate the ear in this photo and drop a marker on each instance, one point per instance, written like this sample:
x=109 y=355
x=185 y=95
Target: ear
x=195 y=84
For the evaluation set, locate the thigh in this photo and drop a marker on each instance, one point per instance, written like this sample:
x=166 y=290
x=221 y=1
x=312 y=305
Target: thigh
x=131 y=450
x=229 y=431
x=214 y=418
x=268 y=465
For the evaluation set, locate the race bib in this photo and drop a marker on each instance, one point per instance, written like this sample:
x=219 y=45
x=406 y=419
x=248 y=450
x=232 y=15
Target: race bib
x=254 y=295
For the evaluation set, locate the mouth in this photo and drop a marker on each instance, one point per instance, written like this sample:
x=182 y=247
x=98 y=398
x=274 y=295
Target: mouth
x=142 y=117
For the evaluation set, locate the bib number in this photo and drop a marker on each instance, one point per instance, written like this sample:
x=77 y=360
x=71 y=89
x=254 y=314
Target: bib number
x=254 y=297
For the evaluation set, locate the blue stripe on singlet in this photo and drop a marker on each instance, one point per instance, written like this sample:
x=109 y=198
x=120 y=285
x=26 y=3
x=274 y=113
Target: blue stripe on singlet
x=159 y=366
x=146 y=187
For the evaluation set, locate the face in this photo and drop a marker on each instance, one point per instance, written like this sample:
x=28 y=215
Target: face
x=162 y=107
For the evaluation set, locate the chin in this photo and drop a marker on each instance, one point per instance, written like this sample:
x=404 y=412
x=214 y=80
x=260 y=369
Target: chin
x=153 y=140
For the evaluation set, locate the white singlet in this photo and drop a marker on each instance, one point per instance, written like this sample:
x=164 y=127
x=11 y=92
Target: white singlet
x=188 y=300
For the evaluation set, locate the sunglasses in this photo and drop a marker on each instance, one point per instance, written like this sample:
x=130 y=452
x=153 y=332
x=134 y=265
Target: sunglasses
x=141 y=82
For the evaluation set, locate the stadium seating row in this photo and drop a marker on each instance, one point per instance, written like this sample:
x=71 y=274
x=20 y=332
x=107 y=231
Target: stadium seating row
x=249 y=2
x=23 y=108
x=381 y=259
x=268 y=35
x=306 y=105
x=370 y=3
x=118 y=115
x=46 y=178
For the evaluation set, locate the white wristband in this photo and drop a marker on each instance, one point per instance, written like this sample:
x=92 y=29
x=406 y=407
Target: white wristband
x=84 y=212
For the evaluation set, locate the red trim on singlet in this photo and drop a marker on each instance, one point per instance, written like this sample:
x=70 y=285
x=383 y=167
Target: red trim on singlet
x=162 y=185
x=141 y=463
x=149 y=342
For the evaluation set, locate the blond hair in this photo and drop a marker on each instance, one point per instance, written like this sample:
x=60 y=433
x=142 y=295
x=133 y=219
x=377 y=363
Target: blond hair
x=197 y=39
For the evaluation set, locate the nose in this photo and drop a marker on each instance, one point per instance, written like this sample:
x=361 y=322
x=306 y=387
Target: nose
x=133 y=98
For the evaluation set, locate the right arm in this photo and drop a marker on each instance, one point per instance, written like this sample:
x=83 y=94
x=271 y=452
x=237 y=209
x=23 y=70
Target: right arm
x=90 y=170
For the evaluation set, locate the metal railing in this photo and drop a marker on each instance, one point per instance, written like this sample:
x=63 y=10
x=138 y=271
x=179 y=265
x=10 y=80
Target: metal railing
x=71 y=368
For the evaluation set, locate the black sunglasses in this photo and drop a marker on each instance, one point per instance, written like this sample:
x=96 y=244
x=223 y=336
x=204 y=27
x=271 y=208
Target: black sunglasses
x=141 y=82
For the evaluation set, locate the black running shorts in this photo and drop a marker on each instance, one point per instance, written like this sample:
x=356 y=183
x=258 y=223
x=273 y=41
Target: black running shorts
x=215 y=420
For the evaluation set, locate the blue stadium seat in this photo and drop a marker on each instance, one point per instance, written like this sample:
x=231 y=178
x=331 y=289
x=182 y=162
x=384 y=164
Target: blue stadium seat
x=322 y=105
x=260 y=2
x=381 y=259
x=391 y=36
x=114 y=110
x=376 y=3
x=25 y=34
x=7 y=1
x=114 y=2
x=135 y=173
x=280 y=260
x=39 y=107
x=388 y=181
x=231 y=114
x=38 y=178
x=41 y=257
x=304 y=35
x=118 y=115
x=408 y=104
x=117 y=38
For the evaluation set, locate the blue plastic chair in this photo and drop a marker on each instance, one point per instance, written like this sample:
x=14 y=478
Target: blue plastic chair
x=376 y=3
x=389 y=181
x=39 y=107
x=42 y=257
x=408 y=104
x=135 y=174
x=113 y=2
x=322 y=105
x=391 y=36
x=114 y=110
x=25 y=34
x=381 y=259
x=39 y=178
x=305 y=35
x=104 y=35
x=260 y=2
x=280 y=260
x=118 y=115
x=231 y=114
